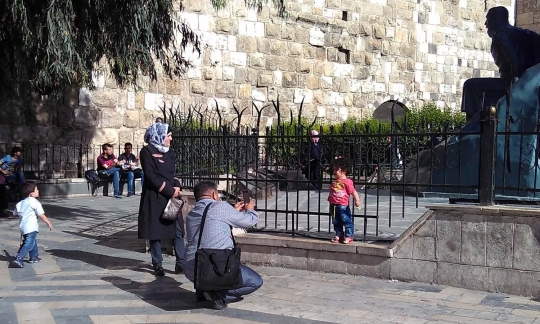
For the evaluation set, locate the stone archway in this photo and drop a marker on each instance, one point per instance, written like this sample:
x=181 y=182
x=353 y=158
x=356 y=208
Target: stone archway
x=384 y=111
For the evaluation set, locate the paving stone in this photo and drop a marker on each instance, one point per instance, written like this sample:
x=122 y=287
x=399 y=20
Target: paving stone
x=104 y=277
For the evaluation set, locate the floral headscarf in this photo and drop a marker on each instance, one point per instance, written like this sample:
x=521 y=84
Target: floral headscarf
x=156 y=134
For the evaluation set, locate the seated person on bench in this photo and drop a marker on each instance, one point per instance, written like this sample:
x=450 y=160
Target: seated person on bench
x=108 y=166
x=129 y=161
x=10 y=167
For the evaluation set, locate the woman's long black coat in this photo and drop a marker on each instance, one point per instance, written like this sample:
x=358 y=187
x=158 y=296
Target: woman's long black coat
x=158 y=173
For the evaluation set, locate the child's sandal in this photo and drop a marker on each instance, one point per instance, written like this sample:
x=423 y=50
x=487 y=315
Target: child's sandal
x=348 y=240
x=336 y=239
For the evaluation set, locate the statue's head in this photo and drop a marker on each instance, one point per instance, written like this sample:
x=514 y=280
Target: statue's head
x=496 y=16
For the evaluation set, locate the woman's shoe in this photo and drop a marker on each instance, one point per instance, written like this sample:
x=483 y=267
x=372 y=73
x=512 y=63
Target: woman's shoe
x=178 y=269
x=158 y=270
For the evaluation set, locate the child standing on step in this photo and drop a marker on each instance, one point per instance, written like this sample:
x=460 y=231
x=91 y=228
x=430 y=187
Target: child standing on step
x=28 y=211
x=340 y=191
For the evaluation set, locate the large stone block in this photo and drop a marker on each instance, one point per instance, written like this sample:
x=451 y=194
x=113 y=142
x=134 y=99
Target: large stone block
x=125 y=136
x=131 y=118
x=316 y=37
x=458 y=275
x=499 y=242
x=246 y=44
x=292 y=258
x=288 y=32
x=272 y=30
x=424 y=248
x=105 y=98
x=259 y=254
x=265 y=80
x=104 y=135
x=514 y=282
x=405 y=249
x=304 y=66
x=289 y=80
x=367 y=265
x=448 y=242
x=527 y=243
x=86 y=116
x=473 y=240
x=111 y=118
x=256 y=60
x=197 y=87
x=226 y=89
x=313 y=82
x=413 y=270
x=427 y=229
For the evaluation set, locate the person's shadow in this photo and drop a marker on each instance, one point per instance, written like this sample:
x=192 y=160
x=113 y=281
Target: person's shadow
x=163 y=292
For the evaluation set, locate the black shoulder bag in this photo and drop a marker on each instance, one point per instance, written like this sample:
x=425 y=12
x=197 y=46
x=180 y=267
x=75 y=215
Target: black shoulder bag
x=217 y=269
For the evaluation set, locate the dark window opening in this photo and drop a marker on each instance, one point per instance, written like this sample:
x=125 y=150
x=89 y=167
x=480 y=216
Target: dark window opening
x=344 y=15
x=344 y=56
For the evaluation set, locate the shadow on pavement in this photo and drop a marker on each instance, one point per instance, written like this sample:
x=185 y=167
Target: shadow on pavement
x=102 y=261
x=124 y=240
x=163 y=292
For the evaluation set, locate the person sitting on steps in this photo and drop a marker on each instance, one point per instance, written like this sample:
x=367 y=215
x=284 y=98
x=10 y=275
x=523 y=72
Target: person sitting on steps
x=10 y=166
x=108 y=165
x=129 y=161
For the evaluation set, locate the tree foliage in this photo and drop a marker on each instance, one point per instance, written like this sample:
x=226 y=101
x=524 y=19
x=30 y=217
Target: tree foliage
x=46 y=45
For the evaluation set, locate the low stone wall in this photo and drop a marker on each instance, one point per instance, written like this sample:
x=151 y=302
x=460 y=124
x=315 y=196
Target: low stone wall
x=486 y=248
x=76 y=187
x=493 y=249
x=309 y=254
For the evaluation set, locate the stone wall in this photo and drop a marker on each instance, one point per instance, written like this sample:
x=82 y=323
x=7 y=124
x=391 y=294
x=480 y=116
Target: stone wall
x=484 y=248
x=342 y=57
x=528 y=15
x=494 y=249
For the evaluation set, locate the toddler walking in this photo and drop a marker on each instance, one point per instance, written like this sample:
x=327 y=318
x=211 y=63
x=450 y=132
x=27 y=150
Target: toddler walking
x=340 y=191
x=28 y=211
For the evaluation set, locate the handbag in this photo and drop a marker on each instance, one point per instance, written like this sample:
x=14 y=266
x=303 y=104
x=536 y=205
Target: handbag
x=173 y=209
x=217 y=269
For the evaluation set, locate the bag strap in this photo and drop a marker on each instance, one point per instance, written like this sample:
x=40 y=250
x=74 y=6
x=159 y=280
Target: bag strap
x=201 y=226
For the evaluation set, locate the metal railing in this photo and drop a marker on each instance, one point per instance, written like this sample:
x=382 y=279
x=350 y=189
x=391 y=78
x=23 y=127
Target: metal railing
x=51 y=161
x=397 y=168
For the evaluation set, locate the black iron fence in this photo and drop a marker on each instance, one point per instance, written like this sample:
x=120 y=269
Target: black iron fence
x=50 y=161
x=397 y=167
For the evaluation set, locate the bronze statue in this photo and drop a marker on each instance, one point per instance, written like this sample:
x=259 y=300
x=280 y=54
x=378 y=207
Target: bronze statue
x=514 y=50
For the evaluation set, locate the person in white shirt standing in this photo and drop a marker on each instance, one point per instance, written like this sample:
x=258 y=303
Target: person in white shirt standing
x=28 y=211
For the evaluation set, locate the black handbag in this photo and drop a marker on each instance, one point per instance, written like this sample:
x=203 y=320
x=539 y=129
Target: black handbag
x=217 y=269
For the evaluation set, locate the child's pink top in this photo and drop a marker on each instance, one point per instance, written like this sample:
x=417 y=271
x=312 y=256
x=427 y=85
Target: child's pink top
x=340 y=190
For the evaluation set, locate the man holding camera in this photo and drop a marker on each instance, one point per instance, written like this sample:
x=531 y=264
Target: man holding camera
x=217 y=234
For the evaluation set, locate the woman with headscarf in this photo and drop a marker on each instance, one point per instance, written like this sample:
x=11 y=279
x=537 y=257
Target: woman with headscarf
x=159 y=186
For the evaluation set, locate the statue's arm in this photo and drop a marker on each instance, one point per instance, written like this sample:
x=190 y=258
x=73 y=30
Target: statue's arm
x=505 y=45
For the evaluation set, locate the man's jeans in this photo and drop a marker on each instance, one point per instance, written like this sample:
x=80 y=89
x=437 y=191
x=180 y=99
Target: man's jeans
x=131 y=176
x=115 y=172
x=29 y=246
x=342 y=217
x=179 y=246
x=252 y=282
x=17 y=176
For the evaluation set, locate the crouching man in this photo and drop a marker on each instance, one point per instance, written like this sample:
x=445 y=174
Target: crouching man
x=217 y=235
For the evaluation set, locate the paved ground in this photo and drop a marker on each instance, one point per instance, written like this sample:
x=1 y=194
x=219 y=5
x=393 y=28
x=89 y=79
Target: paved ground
x=94 y=270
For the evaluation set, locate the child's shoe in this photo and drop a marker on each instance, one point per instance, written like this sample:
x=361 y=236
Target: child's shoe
x=34 y=260
x=348 y=240
x=337 y=239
